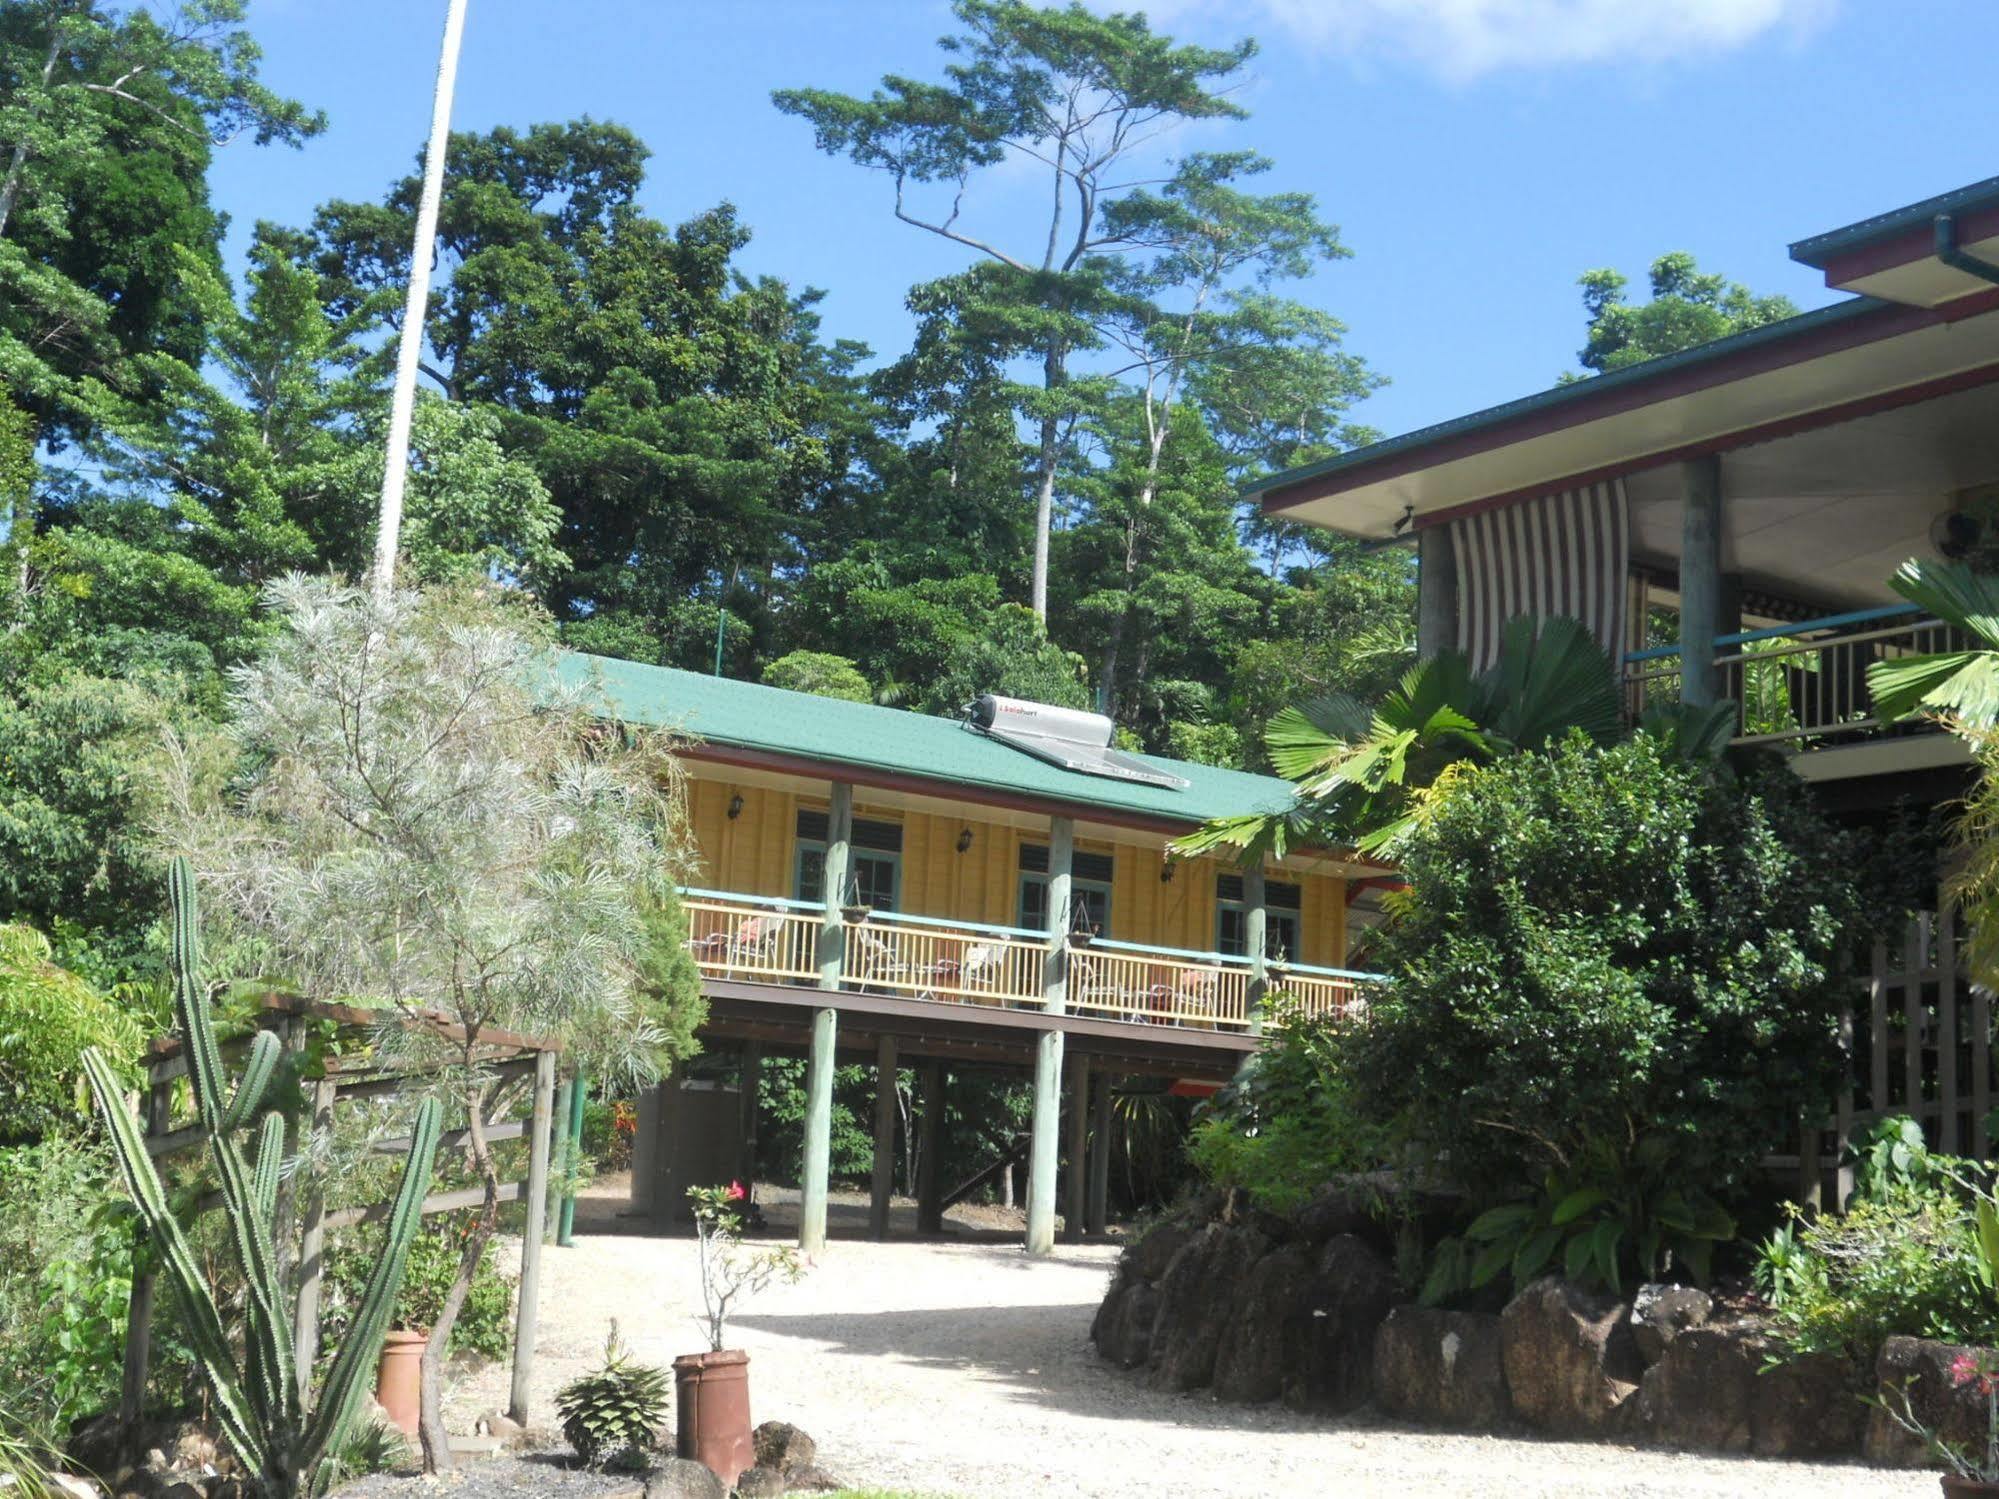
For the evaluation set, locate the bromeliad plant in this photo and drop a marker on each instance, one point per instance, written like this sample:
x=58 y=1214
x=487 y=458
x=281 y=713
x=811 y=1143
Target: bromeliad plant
x=283 y=1442
x=730 y=1272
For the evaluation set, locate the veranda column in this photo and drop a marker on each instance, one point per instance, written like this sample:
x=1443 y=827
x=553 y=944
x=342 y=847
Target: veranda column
x=1045 y=1142
x=929 y=1146
x=1256 y=937
x=1097 y=1216
x=882 y=1187
x=1076 y=1197
x=1436 y=592
x=819 y=1062
x=1700 y=579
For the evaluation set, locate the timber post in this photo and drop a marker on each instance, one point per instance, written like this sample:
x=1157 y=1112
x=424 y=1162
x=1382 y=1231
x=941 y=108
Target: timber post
x=825 y=1022
x=1076 y=1196
x=929 y=1143
x=541 y=1128
x=881 y=1188
x=1096 y=1216
x=1046 y=1129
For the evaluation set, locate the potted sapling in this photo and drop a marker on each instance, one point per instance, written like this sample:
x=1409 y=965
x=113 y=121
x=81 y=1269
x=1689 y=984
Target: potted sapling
x=711 y=1389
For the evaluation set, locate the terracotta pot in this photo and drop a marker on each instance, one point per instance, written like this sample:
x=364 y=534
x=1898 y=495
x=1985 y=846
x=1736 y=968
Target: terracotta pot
x=712 y=1393
x=399 y=1378
x=1968 y=1488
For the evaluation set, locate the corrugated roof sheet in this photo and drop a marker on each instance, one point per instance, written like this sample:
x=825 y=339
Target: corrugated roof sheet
x=863 y=737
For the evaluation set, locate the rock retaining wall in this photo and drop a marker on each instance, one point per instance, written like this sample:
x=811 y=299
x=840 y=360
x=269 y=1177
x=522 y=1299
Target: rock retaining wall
x=1307 y=1310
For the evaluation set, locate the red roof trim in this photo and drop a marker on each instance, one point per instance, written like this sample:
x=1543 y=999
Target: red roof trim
x=1906 y=248
x=1889 y=322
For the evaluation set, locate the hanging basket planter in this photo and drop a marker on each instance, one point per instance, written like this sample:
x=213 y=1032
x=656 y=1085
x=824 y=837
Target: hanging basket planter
x=856 y=914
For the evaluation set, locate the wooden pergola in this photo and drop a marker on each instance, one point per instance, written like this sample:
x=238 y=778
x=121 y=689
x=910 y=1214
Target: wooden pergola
x=504 y=1055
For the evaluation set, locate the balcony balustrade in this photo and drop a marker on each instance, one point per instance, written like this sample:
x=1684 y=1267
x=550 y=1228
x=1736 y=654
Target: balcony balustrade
x=1800 y=685
x=768 y=939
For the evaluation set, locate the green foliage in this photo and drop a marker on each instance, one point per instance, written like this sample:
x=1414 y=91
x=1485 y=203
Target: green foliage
x=257 y=1402
x=1364 y=776
x=1616 y=1217
x=485 y=1323
x=821 y=673
x=1907 y=1263
x=75 y=753
x=48 y=1016
x=611 y=1414
x=1603 y=945
x=1291 y=1119
x=65 y=1279
x=1688 y=308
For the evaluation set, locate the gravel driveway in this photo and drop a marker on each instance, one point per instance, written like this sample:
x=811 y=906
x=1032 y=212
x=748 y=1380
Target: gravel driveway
x=962 y=1369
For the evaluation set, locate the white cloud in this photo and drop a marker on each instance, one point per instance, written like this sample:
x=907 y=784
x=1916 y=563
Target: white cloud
x=1464 y=38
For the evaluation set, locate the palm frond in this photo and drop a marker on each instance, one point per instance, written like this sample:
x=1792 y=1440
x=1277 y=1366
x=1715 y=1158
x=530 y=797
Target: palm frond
x=1964 y=683
x=1551 y=676
x=1954 y=593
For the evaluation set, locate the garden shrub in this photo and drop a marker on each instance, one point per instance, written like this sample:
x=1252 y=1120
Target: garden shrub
x=48 y=1015
x=1601 y=944
x=65 y=1279
x=1289 y=1121
x=1905 y=1264
x=485 y=1324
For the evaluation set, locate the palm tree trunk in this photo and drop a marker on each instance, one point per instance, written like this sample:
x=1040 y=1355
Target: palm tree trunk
x=389 y=523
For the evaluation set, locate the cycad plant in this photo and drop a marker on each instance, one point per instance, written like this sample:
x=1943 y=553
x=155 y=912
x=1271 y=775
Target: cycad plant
x=282 y=1441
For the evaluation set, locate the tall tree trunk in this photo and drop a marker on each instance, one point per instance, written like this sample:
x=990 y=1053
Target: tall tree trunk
x=17 y=166
x=1107 y=686
x=1054 y=375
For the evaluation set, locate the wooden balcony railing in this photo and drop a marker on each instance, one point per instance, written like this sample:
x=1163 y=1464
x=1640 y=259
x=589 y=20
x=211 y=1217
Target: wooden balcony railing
x=1803 y=684
x=1338 y=992
x=968 y=962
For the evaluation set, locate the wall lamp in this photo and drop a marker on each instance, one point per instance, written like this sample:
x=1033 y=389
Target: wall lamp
x=735 y=807
x=964 y=840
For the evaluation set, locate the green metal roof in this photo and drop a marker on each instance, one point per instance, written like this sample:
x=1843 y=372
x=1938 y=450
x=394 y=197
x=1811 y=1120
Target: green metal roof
x=1820 y=248
x=862 y=737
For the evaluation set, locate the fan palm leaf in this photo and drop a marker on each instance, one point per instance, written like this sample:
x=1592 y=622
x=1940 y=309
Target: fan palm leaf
x=1963 y=684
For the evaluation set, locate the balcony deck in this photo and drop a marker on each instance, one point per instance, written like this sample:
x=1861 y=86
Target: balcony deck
x=977 y=990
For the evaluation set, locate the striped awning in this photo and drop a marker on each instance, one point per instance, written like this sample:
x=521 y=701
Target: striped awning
x=1561 y=554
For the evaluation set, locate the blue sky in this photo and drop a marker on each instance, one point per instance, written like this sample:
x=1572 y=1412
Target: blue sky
x=1477 y=154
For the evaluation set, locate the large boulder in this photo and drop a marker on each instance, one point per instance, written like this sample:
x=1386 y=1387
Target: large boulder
x=1149 y=1259
x=1123 y=1328
x=1919 y=1370
x=1441 y=1368
x=1661 y=1313
x=1329 y=1353
x=1727 y=1389
x=1272 y=1309
x=1571 y=1365
x=1196 y=1297
x=683 y=1478
x=782 y=1446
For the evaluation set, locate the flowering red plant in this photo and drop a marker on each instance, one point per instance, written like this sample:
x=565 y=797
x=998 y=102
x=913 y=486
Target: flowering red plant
x=1972 y=1369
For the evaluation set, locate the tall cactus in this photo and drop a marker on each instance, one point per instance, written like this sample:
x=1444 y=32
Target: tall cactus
x=281 y=1442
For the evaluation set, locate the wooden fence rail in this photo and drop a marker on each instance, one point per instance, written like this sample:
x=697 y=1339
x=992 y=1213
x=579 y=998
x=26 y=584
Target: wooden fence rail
x=345 y=1085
